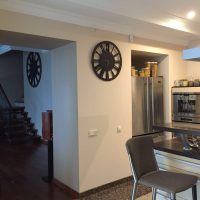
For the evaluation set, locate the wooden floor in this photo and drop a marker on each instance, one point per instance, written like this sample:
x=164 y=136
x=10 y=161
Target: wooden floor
x=22 y=167
x=21 y=170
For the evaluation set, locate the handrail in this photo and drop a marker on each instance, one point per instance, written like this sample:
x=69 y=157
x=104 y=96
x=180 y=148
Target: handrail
x=5 y=98
x=5 y=110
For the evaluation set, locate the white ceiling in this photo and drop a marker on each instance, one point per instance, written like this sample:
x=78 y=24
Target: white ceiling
x=141 y=18
x=24 y=42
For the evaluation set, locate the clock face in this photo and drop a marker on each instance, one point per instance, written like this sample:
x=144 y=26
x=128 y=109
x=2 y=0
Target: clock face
x=106 y=61
x=34 y=68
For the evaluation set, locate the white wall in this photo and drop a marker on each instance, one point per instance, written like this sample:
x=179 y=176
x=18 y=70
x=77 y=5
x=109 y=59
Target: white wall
x=105 y=105
x=177 y=71
x=65 y=115
x=11 y=75
x=38 y=99
x=193 y=69
x=163 y=70
x=101 y=105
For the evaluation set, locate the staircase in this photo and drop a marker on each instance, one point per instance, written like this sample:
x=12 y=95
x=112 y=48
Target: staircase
x=15 y=125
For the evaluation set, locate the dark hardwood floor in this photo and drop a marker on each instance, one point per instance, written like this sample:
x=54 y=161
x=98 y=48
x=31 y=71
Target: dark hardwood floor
x=21 y=168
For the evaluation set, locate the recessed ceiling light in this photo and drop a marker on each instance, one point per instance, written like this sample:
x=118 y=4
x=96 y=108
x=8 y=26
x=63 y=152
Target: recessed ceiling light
x=191 y=14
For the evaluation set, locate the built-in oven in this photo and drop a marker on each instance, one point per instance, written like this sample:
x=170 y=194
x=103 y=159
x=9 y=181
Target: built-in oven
x=186 y=104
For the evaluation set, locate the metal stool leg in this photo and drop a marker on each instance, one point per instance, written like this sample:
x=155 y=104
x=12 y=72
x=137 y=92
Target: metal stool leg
x=154 y=191
x=194 y=192
x=134 y=191
x=173 y=196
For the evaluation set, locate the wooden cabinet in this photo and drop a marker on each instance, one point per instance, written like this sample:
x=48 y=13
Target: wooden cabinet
x=47 y=125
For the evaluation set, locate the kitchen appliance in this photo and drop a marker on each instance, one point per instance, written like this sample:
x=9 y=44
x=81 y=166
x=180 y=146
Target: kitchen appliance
x=147 y=104
x=186 y=104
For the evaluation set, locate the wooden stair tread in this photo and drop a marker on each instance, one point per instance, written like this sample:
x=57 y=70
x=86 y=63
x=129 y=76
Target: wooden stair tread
x=26 y=138
x=20 y=128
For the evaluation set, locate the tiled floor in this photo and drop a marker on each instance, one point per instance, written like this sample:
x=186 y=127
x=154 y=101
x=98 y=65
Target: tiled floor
x=121 y=191
x=145 y=197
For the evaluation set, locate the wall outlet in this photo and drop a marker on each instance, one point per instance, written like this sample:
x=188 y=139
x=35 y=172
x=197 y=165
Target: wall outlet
x=93 y=133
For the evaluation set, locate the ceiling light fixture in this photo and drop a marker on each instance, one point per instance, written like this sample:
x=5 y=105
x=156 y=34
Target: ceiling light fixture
x=191 y=14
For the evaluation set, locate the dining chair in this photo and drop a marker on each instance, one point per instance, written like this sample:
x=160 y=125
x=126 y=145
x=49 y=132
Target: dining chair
x=145 y=170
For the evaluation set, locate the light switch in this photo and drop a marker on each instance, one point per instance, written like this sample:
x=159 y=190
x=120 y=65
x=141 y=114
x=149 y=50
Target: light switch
x=93 y=133
x=119 y=129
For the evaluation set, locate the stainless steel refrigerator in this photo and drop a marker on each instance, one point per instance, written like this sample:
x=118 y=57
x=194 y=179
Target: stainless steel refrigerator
x=147 y=104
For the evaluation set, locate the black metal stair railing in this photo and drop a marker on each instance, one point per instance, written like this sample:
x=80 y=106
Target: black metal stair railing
x=5 y=110
x=4 y=101
x=15 y=124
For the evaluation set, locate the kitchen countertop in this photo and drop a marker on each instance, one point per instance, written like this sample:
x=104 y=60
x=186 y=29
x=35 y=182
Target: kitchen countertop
x=171 y=127
x=175 y=146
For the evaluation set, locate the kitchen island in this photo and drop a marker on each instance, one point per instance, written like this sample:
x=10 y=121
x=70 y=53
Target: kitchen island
x=173 y=127
x=175 y=146
x=180 y=130
x=171 y=155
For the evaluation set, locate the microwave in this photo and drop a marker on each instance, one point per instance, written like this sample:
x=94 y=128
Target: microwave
x=186 y=104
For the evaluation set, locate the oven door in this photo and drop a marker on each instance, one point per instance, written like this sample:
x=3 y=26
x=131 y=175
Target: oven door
x=186 y=107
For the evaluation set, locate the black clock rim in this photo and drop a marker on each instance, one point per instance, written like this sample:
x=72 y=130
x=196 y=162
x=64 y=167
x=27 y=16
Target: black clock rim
x=29 y=55
x=120 y=64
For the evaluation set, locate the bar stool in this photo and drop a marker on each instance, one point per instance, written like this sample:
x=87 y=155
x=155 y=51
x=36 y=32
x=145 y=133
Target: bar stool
x=145 y=170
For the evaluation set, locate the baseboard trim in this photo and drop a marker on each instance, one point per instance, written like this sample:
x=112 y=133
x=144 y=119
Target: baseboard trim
x=67 y=189
x=75 y=194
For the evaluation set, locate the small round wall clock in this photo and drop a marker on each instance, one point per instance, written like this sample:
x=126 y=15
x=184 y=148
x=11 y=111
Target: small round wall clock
x=34 y=69
x=106 y=61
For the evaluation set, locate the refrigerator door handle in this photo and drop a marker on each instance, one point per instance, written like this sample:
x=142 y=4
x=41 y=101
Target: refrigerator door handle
x=152 y=102
x=147 y=105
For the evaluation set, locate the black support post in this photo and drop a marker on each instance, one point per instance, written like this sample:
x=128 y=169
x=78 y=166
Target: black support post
x=49 y=177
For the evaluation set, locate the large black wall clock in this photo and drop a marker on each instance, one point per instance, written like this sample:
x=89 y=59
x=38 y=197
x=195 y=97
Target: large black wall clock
x=106 y=61
x=34 y=68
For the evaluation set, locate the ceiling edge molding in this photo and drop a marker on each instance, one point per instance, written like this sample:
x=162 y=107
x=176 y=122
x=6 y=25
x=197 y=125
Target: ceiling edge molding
x=68 y=17
x=6 y=48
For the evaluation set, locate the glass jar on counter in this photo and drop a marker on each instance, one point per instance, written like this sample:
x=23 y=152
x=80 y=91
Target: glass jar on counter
x=147 y=64
x=147 y=71
x=154 y=69
x=134 y=72
x=142 y=73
